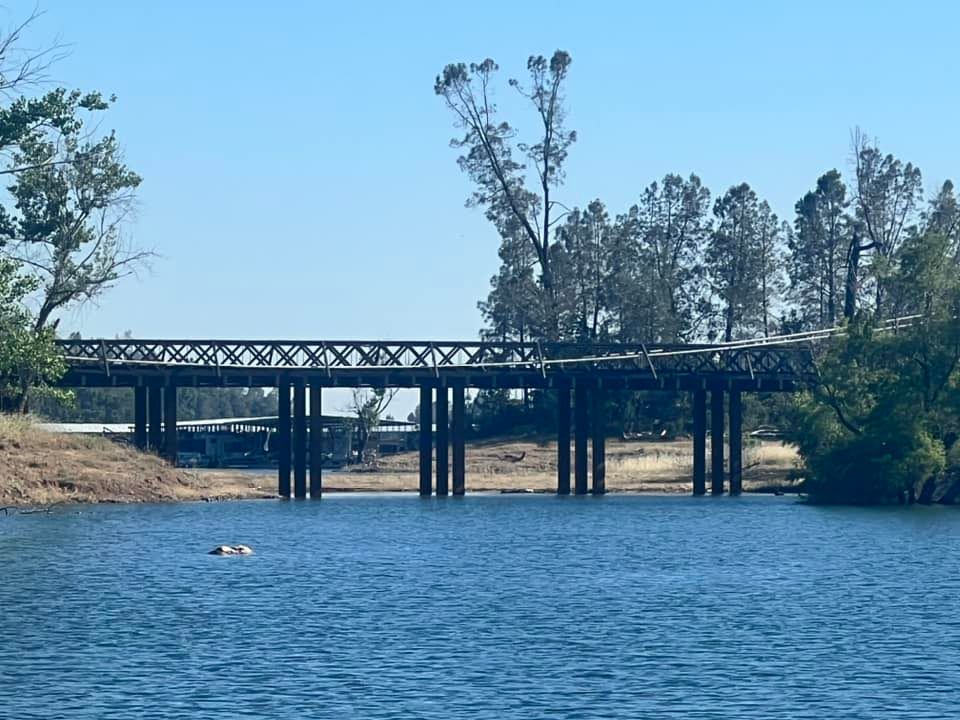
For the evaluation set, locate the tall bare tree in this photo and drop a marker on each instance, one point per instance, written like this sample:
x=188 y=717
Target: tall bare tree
x=498 y=164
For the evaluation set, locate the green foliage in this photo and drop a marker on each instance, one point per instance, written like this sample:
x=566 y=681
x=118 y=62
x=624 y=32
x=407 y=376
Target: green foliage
x=818 y=251
x=115 y=405
x=889 y=456
x=743 y=261
x=885 y=416
x=72 y=197
x=29 y=360
x=61 y=243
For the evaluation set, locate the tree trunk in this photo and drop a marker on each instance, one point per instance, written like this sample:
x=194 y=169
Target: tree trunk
x=851 y=286
x=363 y=436
x=552 y=319
x=831 y=293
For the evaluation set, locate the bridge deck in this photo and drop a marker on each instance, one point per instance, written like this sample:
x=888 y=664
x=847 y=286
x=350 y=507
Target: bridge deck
x=409 y=363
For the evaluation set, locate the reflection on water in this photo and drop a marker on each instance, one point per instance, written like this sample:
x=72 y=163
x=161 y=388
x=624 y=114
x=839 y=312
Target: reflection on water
x=481 y=607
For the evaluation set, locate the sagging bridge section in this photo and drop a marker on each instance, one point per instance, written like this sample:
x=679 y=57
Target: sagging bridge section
x=580 y=375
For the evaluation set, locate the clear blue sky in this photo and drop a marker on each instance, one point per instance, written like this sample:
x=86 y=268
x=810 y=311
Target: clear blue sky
x=297 y=177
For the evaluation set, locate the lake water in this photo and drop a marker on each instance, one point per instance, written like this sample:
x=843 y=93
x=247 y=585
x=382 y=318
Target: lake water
x=482 y=607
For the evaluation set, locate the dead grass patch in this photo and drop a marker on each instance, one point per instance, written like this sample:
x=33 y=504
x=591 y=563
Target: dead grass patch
x=42 y=468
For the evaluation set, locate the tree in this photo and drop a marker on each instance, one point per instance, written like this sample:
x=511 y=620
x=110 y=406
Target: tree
x=584 y=238
x=72 y=196
x=886 y=196
x=884 y=418
x=28 y=357
x=768 y=241
x=512 y=310
x=627 y=285
x=489 y=148
x=115 y=405
x=943 y=218
x=369 y=406
x=674 y=226
x=819 y=250
x=742 y=260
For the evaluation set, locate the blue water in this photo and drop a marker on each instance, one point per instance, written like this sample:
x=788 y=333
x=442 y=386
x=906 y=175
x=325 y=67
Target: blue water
x=482 y=607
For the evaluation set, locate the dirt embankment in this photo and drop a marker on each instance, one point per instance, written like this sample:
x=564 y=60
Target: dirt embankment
x=41 y=468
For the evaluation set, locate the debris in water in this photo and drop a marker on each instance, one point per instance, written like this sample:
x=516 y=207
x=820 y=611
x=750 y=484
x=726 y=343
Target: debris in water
x=232 y=550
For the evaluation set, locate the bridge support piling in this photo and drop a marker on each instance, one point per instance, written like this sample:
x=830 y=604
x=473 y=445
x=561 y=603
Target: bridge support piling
x=299 y=440
x=140 y=417
x=459 y=449
x=563 y=441
x=316 y=442
x=699 y=442
x=426 y=441
x=599 y=470
x=443 y=441
x=716 y=441
x=170 y=423
x=283 y=439
x=736 y=443
x=580 y=431
x=155 y=412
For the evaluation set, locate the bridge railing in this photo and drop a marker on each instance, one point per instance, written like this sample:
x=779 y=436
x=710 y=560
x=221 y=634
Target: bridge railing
x=347 y=356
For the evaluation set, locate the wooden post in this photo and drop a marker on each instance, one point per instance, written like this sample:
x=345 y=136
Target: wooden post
x=699 y=442
x=283 y=438
x=299 y=439
x=426 y=441
x=155 y=412
x=599 y=471
x=140 y=417
x=443 y=442
x=716 y=441
x=736 y=443
x=459 y=448
x=580 y=422
x=316 y=442
x=170 y=423
x=563 y=440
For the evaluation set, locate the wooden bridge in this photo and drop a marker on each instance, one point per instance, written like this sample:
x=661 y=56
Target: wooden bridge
x=579 y=374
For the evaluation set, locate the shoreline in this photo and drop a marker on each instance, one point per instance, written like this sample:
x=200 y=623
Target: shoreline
x=40 y=469
x=39 y=508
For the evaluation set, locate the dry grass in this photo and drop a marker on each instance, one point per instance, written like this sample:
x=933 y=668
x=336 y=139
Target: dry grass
x=40 y=468
x=631 y=467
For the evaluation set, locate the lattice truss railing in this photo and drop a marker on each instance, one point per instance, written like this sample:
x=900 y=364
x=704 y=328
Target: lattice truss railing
x=738 y=358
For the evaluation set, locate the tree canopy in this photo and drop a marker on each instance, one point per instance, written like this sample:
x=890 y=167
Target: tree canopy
x=63 y=239
x=685 y=264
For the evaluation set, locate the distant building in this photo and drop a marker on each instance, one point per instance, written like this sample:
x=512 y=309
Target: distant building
x=249 y=442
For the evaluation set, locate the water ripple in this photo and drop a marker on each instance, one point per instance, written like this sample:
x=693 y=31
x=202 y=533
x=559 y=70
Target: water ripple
x=483 y=607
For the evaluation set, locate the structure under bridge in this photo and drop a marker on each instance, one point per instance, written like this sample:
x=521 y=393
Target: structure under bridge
x=252 y=442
